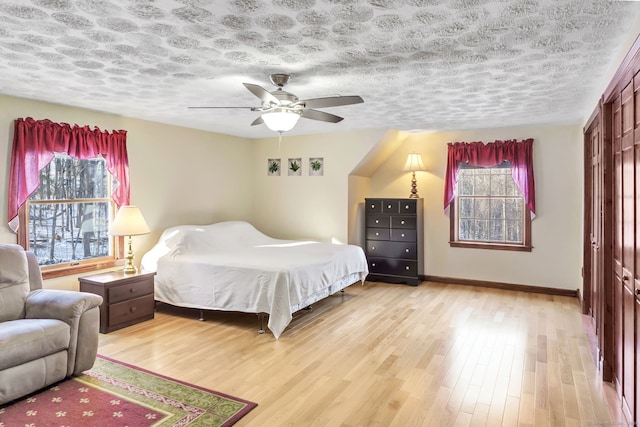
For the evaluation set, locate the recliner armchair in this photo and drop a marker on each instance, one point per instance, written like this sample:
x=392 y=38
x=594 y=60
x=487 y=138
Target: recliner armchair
x=46 y=335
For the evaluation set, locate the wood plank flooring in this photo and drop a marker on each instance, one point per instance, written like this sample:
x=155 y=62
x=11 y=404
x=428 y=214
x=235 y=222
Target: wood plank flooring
x=389 y=355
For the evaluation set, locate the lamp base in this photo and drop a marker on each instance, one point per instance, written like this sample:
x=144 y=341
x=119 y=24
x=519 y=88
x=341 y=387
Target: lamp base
x=414 y=187
x=129 y=268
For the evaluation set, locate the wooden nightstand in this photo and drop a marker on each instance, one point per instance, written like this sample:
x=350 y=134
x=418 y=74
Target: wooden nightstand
x=128 y=298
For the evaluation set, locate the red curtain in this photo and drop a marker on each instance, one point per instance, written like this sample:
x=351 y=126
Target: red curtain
x=519 y=154
x=34 y=145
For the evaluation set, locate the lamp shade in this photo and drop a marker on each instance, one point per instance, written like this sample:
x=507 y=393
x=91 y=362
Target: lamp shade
x=414 y=163
x=280 y=120
x=128 y=222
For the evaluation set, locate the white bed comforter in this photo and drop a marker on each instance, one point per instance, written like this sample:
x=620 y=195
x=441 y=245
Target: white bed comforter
x=232 y=266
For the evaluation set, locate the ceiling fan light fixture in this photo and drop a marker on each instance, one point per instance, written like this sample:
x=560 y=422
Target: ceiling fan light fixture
x=281 y=121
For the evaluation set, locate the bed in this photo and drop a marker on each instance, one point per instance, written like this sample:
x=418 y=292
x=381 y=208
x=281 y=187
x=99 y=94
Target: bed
x=231 y=266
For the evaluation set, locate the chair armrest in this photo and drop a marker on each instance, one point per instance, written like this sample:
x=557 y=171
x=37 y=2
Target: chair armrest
x=80 y=311
x=59 y=304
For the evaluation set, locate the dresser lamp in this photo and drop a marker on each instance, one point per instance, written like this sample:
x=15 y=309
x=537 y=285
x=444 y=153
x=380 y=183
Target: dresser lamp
x=413 y=164
x=129 y=222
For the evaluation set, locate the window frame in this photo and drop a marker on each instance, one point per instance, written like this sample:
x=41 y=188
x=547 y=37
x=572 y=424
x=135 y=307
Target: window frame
x=76 y=266
x=456 y=243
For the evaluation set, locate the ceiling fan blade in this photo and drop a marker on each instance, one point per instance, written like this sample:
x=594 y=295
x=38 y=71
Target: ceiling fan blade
x=246 y=108
x=331 y=101
x=261 y=93
x=257 y=121
x=321 y=115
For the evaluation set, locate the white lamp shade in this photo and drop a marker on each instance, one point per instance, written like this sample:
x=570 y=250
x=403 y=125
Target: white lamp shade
x=128 y=222
x=414 y=163
x=280 y=121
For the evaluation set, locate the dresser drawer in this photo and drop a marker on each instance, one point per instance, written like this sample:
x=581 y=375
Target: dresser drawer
x=374 y=206
x=399 y=221
x=395 y=267
x=408 y=206
x=378 y=234
x=382 y=248
x=390 y=206
x=381 y=221
x=130 y=290
x=131 y=310
x=402 y=235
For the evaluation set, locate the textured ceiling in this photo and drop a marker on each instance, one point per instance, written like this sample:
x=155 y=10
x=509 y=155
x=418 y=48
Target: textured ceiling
x=418 y=64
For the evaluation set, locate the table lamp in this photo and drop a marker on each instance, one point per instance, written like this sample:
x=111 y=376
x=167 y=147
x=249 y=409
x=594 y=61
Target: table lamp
x=414 y=163
x=129 y=222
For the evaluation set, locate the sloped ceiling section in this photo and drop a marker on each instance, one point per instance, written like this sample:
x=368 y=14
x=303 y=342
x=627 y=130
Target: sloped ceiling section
x=418 y=64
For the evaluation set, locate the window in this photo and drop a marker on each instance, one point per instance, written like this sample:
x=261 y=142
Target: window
x=489 y=193
x=64 y=186
x=67 y=217
x=489 y=210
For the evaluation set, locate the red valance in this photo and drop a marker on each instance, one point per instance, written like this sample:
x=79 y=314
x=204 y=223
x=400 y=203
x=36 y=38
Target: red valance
x=519 y=154
x=34 y=145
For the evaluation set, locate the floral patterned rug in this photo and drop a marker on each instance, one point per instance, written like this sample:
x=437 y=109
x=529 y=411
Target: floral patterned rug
x=116 y=394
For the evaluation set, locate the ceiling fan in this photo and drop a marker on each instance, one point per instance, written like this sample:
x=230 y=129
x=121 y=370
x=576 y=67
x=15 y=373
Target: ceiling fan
x=281 y=109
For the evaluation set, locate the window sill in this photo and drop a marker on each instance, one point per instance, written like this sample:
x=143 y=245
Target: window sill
x=84 y=267
x=492 y=246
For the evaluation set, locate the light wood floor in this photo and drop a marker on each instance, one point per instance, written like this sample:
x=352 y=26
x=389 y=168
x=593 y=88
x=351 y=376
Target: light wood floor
x=389 y=355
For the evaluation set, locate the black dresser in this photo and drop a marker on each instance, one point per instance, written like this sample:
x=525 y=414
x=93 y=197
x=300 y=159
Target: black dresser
x=394 y=230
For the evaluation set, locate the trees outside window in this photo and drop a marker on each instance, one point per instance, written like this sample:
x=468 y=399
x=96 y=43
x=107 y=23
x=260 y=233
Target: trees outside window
x=489 y=209
x=67 y=217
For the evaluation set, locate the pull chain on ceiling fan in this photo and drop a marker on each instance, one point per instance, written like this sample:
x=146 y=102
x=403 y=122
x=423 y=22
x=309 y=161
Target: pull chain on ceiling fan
x=281 y=110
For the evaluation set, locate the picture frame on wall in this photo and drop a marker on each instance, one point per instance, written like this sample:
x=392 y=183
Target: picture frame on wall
x=295 y=166
x=316 y=166
x=273 y=167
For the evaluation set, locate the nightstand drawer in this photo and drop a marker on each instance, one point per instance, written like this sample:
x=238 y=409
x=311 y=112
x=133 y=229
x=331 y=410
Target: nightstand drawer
x=130 y=290
x=131 y=310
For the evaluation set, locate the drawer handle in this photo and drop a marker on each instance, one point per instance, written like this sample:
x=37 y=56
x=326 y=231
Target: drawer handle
x=373 y=248
x=131 y=290
x=373 y=264
x=407 y=267
x=132 y=309
x=377 y=221
x=406 y=250
x=402 y=234
x=402 y=222
x=373 y=206
x=377 y=234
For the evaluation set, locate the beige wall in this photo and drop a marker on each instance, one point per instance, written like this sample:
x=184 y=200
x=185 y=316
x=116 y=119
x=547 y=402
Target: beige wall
x=556 y=231
x=181 y=176
x=308 y=207
x=178 y=175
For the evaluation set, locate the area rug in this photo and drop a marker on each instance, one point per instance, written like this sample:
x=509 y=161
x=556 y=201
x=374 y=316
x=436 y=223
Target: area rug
x=114 y=394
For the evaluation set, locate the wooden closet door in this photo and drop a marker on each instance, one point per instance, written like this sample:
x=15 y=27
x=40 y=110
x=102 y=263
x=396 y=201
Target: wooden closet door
x=617 y=247
x=595 y=235
x=633 y=233
x=628 y=251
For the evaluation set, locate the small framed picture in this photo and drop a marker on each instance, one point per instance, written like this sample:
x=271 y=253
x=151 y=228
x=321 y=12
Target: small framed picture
x=295 y=167
x=316 y=166
x=273 y=167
